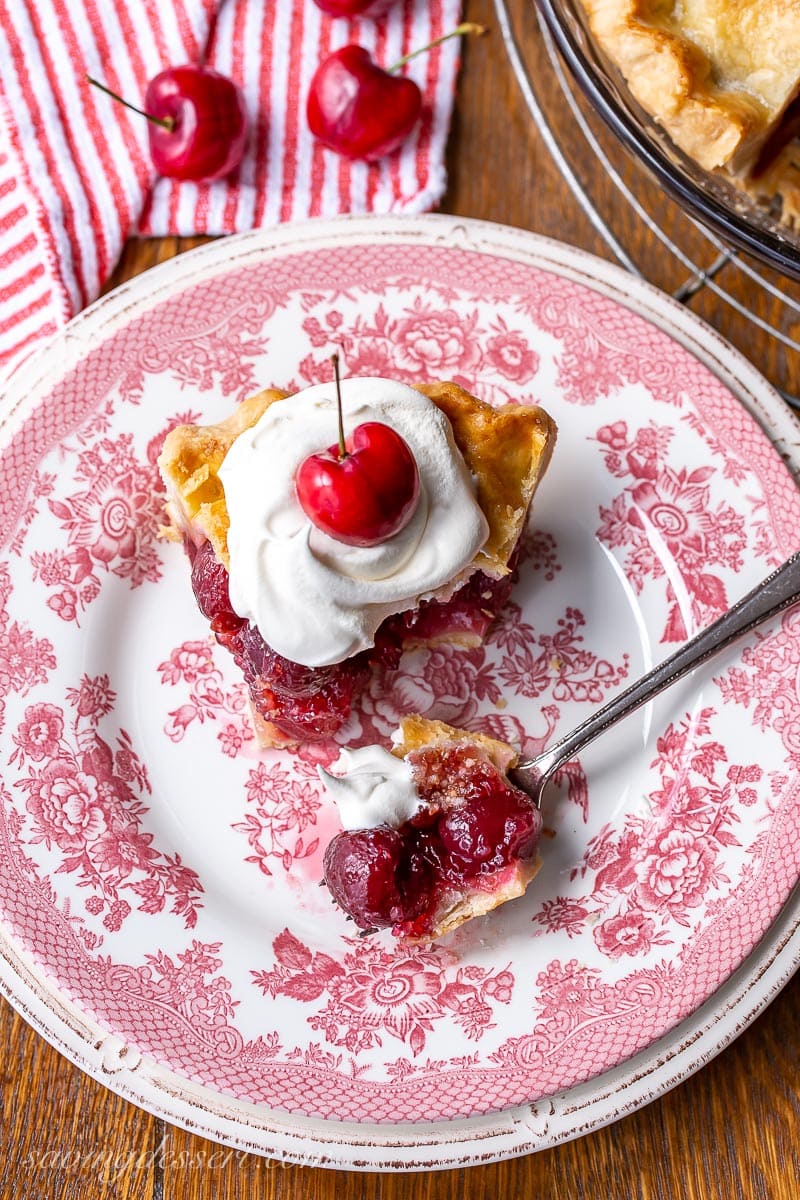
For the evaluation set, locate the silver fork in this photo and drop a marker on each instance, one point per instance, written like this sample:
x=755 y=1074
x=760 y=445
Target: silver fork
x=777 y=592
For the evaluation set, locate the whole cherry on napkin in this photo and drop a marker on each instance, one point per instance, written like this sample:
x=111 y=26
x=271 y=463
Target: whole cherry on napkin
x=197 y=122
x=361 y=110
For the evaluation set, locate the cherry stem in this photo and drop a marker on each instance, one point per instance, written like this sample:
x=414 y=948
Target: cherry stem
x=460 y=30
x=342 y=447
x=165 y=122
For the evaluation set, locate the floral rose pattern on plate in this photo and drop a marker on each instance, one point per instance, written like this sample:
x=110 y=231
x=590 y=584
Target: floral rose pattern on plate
x=281 y=817
x=651 y=874
x=82 y=798
x=278 y=1003
x=25 y=660
x=193 y=663
x=768 y=681
x=281 y=804
x=188 y=986
x=574 y=999
x=109 y=524
x=221 y=356
x=372 y=992
x=426 y=341
x=673 y=505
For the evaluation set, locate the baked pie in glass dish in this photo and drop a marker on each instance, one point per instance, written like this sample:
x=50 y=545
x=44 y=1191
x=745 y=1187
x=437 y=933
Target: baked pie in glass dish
x=434 y=832
x=308 y=616
x=707 y=94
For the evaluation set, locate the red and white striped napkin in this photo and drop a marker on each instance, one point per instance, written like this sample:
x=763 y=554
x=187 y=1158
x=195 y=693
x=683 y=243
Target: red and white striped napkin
x=75 y=174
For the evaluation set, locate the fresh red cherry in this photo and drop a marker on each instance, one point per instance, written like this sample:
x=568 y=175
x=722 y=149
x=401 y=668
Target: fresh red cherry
x=366 y=495
x=207 y=121
x=197 y=122
x=354 y=8
x=360 y=110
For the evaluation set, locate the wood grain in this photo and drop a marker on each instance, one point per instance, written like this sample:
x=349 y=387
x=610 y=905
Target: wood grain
x=732 y=1132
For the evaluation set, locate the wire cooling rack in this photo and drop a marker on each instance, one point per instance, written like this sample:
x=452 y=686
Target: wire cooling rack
x=698 y=278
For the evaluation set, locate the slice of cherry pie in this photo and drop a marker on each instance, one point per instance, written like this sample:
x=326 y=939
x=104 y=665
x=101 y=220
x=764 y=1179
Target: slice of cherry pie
x=445 y=836
x=502 y=454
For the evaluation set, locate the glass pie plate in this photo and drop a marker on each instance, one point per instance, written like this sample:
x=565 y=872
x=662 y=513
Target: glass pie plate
x=739 y=220
x=161 y=920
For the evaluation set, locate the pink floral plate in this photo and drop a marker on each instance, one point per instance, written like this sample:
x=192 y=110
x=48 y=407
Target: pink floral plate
x=160 y=919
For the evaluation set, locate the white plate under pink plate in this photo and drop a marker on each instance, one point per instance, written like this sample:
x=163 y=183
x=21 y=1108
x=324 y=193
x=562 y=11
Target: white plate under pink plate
x=160 y=915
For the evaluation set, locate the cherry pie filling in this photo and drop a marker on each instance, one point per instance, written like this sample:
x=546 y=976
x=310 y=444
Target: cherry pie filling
x=472 y=827
x=311 y=703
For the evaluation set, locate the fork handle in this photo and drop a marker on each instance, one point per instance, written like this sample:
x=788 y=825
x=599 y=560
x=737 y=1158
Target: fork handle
x=777 y=592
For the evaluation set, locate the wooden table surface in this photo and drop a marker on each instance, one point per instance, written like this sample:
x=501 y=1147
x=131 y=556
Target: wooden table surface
x=730 y=1131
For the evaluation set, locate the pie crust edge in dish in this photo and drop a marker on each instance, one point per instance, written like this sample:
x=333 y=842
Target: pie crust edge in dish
x=723 y=128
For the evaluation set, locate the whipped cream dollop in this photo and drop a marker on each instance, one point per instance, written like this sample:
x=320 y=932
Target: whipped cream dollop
x=371 y=787
x=314 y=599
